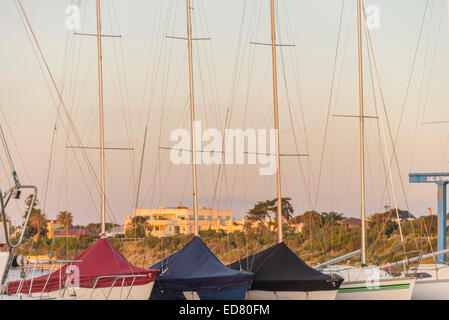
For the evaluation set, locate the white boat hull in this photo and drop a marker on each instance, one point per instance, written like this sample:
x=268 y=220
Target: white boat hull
x=136 y=292
x=384 y=289
x=141 y=292
x=291 y=295
x=431 y=289
x=435 y=287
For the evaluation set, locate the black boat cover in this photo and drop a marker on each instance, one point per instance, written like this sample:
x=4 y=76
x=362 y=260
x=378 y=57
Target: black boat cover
x=280 y=269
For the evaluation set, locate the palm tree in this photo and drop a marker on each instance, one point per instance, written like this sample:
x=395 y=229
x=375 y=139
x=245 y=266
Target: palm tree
x=66 y=219
x=37 y=221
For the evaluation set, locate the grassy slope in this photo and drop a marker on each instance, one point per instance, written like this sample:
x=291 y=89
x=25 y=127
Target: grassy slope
x=383 y=245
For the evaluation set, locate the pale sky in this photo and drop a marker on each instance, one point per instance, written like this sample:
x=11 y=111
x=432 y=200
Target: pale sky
x=144 y=70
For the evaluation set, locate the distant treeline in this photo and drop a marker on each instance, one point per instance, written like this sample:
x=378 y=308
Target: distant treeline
x=322 y=237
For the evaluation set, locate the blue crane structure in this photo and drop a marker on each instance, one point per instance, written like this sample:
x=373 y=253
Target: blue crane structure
x=441 y=179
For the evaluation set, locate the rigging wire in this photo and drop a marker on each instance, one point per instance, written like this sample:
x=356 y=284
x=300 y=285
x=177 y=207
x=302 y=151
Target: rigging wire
x=381 y=101
x=393 y=157
x=329 y=101
x=65 y=110
x=411 y=73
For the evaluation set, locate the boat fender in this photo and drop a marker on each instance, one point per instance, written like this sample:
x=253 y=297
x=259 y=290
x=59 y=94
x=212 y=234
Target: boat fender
x=18 y=261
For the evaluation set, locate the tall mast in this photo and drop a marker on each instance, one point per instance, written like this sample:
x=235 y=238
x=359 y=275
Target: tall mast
x=276 y=123
x=192 y=115
x=362 y=135
x=100 y=97
x=141 y=167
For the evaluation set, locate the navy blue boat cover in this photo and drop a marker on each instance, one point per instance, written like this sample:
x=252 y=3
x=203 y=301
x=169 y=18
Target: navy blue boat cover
x=195 y=268
x=280 y=269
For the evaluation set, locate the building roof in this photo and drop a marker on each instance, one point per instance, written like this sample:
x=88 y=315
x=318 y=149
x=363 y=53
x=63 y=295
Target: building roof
x=116 y=229
x=391 y=214
x=403 y=214
x=77 y=232
x=350 y=220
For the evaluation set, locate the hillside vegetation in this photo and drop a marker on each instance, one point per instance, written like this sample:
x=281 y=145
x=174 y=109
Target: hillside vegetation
x=322 y=237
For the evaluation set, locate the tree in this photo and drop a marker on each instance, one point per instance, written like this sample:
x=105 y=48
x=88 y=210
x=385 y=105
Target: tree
x=38 y=220
x=331 y=218
x=96 y=227
x=287 y=208
x=137 y=227
x=66 y=219
x=268 y=209
x=307 y=217
x=28 y=202
x=260 y=211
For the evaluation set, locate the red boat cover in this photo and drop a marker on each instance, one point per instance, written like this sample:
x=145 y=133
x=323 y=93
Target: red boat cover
x=100 y=260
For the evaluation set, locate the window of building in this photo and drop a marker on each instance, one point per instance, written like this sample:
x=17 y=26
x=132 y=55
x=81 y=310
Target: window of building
x=201 y=217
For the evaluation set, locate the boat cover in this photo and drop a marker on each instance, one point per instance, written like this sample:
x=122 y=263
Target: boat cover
x=100 y=260
x=280 y=269
x=195 y=268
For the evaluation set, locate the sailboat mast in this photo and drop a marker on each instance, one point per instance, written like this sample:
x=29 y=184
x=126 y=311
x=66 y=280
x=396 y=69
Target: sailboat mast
x=276 y=122
x=141 y=168
x=362 y=134
x=192 y=116
x=100 y=97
